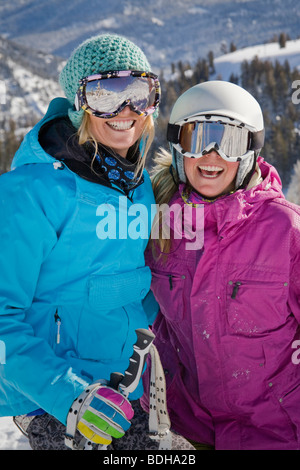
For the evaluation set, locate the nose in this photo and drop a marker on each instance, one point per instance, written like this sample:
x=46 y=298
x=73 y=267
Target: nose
x=126 y=111
x=213 y=153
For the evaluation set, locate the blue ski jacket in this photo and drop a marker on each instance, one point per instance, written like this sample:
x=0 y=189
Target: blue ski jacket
x=70 y=299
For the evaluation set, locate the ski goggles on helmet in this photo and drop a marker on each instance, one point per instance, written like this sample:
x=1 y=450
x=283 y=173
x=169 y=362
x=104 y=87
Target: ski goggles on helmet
x=232 y=140
x=105 y=95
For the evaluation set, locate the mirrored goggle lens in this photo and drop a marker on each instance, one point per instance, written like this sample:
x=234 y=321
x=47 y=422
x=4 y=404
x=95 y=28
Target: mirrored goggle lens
x=195 y=137
x=108 y=95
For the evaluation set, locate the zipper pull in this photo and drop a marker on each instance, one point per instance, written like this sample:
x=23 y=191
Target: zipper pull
x=235 y=289
x=170 y=281
x=58 y=323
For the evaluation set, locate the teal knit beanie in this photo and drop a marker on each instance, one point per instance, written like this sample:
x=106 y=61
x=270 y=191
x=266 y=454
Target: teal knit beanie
x=95 y=55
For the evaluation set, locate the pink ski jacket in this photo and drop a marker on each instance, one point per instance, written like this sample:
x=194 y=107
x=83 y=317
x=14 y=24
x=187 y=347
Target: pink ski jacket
x=228 y=326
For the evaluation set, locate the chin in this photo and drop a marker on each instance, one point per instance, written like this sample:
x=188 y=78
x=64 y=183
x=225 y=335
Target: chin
x=211 y=194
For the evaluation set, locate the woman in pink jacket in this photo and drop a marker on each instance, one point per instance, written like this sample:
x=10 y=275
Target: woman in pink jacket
x=227 y=280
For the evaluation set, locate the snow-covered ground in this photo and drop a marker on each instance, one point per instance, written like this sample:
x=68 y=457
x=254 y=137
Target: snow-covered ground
x=10 y=436
x=230 y=63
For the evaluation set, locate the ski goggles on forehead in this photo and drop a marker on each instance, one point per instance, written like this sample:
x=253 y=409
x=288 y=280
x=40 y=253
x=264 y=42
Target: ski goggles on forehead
x=232 y=141
x=105 y=95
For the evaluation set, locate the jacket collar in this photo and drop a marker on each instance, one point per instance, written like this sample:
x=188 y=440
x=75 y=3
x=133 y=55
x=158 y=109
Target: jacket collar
x=59 y=139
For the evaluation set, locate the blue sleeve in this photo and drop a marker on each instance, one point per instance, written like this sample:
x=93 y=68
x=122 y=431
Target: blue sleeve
x=151 y=307
x=26 y=239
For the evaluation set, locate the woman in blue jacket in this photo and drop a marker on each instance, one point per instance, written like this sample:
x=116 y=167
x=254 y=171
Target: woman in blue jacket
x=74 y=284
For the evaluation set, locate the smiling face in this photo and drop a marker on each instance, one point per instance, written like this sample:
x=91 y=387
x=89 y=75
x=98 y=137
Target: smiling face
x=211 y=175
x=118 y=133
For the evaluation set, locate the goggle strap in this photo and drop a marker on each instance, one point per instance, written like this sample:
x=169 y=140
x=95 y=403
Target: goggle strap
x=257 y=140
x=173 y=131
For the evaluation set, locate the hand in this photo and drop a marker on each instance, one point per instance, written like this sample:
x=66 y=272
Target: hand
x=104 y=414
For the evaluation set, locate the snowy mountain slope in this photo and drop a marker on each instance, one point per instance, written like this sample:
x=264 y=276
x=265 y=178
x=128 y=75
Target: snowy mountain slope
x=29 y=82
x=39 y=30
x=39 y=33
x=167 y=31
x=31 y=77
x=230 y=63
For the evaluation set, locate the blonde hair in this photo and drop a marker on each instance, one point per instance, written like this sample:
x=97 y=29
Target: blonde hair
x=85 y=135
x=165 y=184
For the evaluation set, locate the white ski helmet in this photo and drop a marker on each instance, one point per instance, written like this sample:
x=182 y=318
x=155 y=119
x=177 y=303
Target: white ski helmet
x=222 y=102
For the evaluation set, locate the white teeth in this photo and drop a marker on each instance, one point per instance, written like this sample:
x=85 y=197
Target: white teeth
x=121 y=125
x=210 y=171
x=210 y=168
x=210 y=176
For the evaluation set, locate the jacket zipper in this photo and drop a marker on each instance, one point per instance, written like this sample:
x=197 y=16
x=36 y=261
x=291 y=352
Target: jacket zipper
x=171 y=276
x=58 y=323
x=235 y=289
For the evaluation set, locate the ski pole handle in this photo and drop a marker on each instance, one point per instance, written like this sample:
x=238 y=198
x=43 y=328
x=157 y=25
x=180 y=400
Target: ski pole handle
x=128 y=382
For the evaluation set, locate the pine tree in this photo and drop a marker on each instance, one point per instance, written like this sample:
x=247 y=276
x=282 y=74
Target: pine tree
x=211 y=64
x=282 y=40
